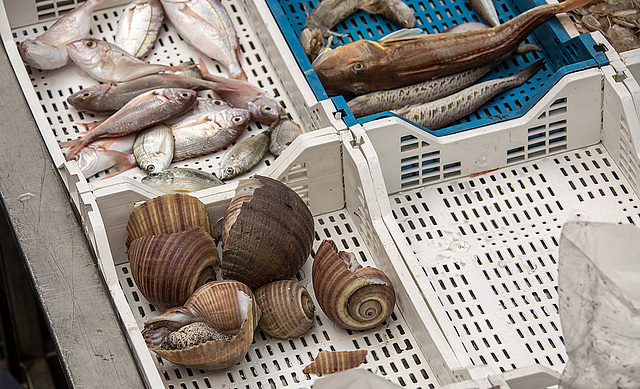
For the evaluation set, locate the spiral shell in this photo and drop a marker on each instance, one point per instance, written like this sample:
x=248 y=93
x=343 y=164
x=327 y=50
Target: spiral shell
x=167 y=214
x=267 y=232
x=334 y=361
x=168 y=268
x=354 y=297
x=231 y=315
x=287 y=309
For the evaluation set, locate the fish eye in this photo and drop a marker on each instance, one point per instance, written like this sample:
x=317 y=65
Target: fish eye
x=185 y=95
x=357 y=66
x=86 y=94
x=266 y=109
x=151 y=168
x=238 y=119
x=91 y=44
x=217 y=102
x=229 y=171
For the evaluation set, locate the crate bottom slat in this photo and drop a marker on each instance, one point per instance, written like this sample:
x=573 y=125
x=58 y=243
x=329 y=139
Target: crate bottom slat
x=488 y=246
x=270 y=363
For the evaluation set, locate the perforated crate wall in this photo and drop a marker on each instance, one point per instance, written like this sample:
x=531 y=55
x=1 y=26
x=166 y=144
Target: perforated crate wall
x=561 y=56
x=488 y=247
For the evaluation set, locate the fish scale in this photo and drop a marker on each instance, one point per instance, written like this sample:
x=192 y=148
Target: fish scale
x=139 y=26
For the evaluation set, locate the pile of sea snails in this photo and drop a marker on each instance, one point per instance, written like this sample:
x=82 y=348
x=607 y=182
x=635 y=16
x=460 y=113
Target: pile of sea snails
x=267 y=234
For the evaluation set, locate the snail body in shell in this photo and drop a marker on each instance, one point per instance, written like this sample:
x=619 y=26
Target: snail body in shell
x=267 y=232
x=287 y=309
x=352 y=296
x=229 y=315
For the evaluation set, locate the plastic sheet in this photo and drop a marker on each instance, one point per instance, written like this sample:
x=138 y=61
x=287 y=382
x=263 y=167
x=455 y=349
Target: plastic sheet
x=599 y=296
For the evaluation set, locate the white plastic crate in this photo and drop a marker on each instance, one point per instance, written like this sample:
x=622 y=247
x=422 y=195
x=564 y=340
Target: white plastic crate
x=333 y=178
x=265 y=58
x=477 y=216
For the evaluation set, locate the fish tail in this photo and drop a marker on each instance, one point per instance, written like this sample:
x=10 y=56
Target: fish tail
x=530 y=70
x=570 y=5
x=74 y=148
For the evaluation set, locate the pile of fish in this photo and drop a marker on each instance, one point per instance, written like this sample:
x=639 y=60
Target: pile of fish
x=160 y=114
x=426 y=78
x=617 y=20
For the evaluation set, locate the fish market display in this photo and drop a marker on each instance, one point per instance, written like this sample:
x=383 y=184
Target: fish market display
x=138 y=27
x=143 y=111
x=107 y=62
x=244 y=155
x=48 y=50
x=617 y=20
x=180 y=180
x=328 y=13
x=206 y=25
x=487 y=11
x=227 y=306
x=380 y=101
x=153 y=148
x=334 y=361
x=441 y=112
x=352 y=296
x=242 y=94
x=283 y=132
x=113 y=154
x=208 y=132
x=366 y=66
x=267 y=232
x=287 y=309
x=107 y=98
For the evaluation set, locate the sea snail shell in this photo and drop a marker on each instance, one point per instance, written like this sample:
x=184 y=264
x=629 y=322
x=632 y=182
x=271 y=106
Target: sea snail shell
x=334 y=361
x=287 y=309
x=231 y=315
x=354 y=297
x=167 y=214
x=267 y=232
x=168 y=268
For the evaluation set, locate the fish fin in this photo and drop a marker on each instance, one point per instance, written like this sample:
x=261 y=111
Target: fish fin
x=240 y=75
x=527 y=47
x=74 y=148
x=403 y=33
x=89 y=126
x=123 y=162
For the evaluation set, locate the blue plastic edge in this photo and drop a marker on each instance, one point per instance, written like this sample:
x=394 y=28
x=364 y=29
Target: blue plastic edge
x=298 y=52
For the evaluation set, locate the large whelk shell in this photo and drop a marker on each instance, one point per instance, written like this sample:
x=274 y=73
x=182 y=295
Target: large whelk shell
x=231 y=315
x=168 y=268
x=168 y=214
x=287 y=309
x=267 y=232
x=354 y=297
x=334 y=361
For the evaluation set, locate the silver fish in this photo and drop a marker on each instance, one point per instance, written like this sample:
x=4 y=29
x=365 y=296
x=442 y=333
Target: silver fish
x=439 y=113
x=153 y=148
x=143 y=111
x=48 y=50
x=114 y=154
x=107 y=98
x=206 y=25
x=175 y=180
x=244 y=155
x=107 y=62
x=376 y=102
x=139 y=26
x=204 y=105
x=487 y=11
x=242 y=94
x=283 y=132
x=208 y=132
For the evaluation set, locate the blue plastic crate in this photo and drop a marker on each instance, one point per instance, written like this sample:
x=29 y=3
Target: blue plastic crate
x=562 y=55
